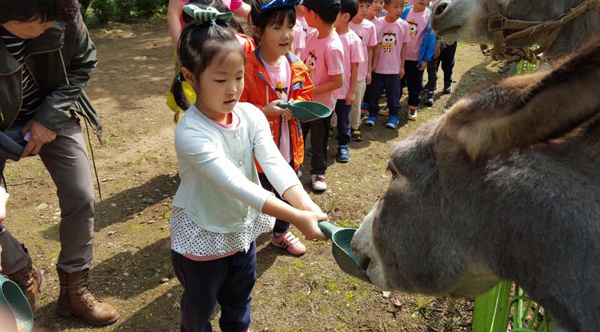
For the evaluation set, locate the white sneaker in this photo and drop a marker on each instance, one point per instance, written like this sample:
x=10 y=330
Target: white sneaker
x=318 y=182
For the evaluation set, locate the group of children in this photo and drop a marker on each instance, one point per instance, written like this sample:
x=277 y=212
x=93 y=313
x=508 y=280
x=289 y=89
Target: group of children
x=239 y=153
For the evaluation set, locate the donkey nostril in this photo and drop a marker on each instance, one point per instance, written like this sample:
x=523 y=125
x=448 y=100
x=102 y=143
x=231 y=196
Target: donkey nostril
x=364 y=262
x=439 y=9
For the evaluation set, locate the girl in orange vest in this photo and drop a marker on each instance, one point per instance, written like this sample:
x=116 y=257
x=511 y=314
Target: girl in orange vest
x=275 y=75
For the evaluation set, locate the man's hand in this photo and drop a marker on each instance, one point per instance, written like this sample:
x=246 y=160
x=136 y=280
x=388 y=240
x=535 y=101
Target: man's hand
x=369 y=78
x=39 y=135
x=401 y=73
x=423 y=66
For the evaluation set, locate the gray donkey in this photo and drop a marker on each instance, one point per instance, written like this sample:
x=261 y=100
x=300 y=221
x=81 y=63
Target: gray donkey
x=468 y=20
x=504 y=186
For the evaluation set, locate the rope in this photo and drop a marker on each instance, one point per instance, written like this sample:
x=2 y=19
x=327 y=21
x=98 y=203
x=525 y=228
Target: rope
x=87 y=129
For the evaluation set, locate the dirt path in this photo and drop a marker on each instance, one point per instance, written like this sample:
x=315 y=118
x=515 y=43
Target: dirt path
x=137 y=170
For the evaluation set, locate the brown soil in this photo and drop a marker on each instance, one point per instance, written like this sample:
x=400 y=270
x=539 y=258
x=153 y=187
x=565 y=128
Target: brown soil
x=137 y=170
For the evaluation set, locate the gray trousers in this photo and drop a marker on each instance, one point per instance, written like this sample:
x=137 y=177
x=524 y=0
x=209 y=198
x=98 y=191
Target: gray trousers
x=67 y=162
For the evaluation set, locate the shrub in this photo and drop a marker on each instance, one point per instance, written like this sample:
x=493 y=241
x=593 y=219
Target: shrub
x=123 y=9
x=148 y=7
x=104 y=10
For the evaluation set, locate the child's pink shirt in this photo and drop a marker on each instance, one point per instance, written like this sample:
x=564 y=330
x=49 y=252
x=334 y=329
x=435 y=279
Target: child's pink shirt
x=324 y=58
x=368 y=34
x=353 y=53
x=391 y=36
x=299 y=36
x=281 y=78
x=417 y=23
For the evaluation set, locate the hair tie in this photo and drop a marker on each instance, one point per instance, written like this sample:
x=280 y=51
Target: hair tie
x=277 y=4
x=209 y=15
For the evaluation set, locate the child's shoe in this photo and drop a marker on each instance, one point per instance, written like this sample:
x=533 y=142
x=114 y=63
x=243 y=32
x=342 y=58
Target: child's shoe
x=412 y=114
x=371 y=121
x=364 y=109
x=392 y=122
x=384 y=111
x=356 y=135
x=447 y=87
x=429 y=99
x=289 y=242
x=343 y=154
x=318 y=182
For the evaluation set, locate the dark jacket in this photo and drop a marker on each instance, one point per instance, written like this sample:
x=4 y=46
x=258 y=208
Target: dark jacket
x=60 y=60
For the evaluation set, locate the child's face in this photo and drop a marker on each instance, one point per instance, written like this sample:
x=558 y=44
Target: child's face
x=394 y=9
x=363 y=10
x=376 y=8
x=277 y=40
x=220 y=86
x=27 y=30
x=420 y=5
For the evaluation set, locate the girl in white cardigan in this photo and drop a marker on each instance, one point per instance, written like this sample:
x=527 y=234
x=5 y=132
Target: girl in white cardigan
x=220 y=208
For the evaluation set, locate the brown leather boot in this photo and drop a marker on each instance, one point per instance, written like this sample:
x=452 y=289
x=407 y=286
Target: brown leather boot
x=76 y=300
x=30 y=280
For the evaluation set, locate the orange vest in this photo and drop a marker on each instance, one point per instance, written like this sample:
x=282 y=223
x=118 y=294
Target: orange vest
x=259 y=91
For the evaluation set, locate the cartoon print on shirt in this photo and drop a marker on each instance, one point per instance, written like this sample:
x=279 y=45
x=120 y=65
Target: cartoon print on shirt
x=311 y=63
x=282 y=93
x=413 y=29
x=388 y=42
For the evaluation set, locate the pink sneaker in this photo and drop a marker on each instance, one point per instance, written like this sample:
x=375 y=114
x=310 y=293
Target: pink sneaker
x=290 y=242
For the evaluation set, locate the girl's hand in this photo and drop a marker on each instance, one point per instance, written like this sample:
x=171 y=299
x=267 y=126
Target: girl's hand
x=273 y=109
x=308 y=224
x=402 y=73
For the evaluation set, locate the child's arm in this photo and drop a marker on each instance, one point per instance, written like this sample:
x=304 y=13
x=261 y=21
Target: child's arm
x=305 y=219
x=370 y=61
x=352 y=90
x=174 y=12
x=337 y=81
x=3 y=199
x=402 y=59
x=242 y=9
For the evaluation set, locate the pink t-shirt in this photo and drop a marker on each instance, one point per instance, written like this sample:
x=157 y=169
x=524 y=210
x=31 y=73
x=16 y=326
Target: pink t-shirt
x=281 y=78
x=417 y=22
x=324 y=58
x=391 y=36
x=353 y=53
x=368 y=34
x=299 y=36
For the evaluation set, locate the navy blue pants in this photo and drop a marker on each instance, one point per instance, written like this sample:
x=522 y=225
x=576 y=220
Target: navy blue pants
x=447 y=56
x=319 y=139
x=414 y=82
x=391 y=84
x=227 y=280
x=343 y=121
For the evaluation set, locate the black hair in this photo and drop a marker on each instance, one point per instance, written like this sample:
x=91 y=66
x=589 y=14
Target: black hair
x=218 y=5
x=199 y=46
x=65 y=11
x=370 y=2
x=327 y=15
x=262 y=19
x=350 y=7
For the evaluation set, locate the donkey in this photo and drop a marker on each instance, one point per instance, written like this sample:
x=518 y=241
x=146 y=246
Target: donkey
x=468 y=20
x=504 y=186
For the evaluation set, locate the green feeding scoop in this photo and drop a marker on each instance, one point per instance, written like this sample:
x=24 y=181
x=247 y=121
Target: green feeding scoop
x=307 y=111
x=13 y=301
x=344 y=256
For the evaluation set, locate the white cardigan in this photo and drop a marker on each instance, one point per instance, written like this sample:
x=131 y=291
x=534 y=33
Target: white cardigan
x=219 y=189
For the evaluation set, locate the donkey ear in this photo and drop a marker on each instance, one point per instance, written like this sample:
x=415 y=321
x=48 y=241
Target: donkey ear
x=524 y=110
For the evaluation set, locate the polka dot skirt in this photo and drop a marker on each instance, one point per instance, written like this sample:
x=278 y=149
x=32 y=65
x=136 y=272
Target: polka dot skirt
x=189 y=238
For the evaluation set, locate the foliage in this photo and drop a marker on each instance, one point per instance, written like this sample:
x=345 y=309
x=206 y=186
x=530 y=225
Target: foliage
x=124 y=10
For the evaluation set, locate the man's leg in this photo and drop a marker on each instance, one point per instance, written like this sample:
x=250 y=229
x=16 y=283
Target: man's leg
x=67 y=162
